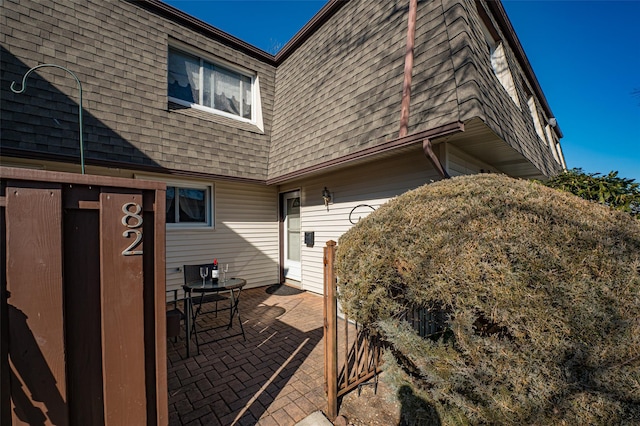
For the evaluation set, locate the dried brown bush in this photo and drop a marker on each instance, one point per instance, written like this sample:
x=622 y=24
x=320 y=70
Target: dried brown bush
x=558 y=276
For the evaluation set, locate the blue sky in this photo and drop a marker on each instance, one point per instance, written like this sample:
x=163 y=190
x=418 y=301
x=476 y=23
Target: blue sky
x=585 y=53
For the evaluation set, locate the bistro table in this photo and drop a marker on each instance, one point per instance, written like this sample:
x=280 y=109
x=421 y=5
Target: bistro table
x=196 y=293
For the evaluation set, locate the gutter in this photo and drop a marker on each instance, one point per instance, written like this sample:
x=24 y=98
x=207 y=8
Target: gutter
x=401 y=142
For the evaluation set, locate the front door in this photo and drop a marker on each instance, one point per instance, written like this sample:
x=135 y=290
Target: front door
x=291 y=237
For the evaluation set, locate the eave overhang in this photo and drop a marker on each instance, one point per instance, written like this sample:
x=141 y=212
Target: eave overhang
x=496 y=8
x=176 y=15
x=391 y=147
x=479 y=141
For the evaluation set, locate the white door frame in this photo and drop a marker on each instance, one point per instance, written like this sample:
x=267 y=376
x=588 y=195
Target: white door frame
x=291 y=265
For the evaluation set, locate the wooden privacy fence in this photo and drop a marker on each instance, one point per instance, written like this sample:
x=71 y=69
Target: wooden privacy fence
x=351 y=356
x=82 y=320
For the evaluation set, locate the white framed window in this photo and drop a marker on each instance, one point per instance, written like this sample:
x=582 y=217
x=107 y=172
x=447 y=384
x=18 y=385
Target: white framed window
x=498 y=58
x=552 y=143
x=189 y=205
x=502 y=71
x=537 y=124
x=200 y=83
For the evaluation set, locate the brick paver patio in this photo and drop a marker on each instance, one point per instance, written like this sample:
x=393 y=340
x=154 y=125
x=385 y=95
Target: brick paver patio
x=275 y=377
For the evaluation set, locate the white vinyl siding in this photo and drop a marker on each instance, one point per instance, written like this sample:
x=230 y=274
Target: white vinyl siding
x=245 y=236
x=459 y=163
x=372 y=184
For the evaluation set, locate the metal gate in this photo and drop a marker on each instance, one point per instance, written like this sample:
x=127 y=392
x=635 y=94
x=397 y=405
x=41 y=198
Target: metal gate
x=351 y=356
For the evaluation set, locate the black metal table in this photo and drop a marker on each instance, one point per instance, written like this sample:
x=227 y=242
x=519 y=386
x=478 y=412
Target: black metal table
x=196 y=294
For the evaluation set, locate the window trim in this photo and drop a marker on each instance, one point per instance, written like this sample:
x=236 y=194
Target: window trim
x=209 y=188
x=498 y=55
x=255 y=108
x=535 y=116
x=552 y=142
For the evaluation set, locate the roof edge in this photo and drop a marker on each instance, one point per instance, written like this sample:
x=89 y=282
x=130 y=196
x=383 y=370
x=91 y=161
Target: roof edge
x=387 y=146
x=323 y=15
x=498 y=11
x=68 y=159
x=174 y=14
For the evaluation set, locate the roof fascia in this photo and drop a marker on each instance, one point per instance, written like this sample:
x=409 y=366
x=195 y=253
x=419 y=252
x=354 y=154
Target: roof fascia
x=61 y=158
x=319 y=19
x=390 y=145
x=176 y=15
x=496 y=8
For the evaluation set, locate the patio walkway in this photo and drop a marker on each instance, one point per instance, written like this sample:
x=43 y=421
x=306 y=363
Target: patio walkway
x=275 y=377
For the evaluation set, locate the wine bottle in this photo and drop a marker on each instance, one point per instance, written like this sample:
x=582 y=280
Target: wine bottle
x=214 y=271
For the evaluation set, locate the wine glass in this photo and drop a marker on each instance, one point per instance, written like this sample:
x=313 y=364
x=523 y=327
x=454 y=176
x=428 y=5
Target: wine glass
x=204 y=271
x=225 y=269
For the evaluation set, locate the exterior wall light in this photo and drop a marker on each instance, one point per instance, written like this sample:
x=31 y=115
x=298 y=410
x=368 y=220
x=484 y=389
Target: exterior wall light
x=326 y=196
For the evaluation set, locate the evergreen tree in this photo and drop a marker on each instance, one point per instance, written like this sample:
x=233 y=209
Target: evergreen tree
x=614 y=191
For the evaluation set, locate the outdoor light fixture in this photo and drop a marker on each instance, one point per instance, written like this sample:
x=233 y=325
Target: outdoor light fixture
x=326 y=196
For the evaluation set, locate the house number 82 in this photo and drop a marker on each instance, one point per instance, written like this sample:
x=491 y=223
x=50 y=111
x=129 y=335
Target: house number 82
x=132 y=220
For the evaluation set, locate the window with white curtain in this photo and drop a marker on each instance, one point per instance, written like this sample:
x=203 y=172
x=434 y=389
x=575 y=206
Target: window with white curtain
x=189 y=206
x=533 y=109
x=498 y=57
x=194 y=81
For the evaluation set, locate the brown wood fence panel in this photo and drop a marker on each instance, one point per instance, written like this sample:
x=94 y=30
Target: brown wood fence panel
x=154 y=308
x=83 y=312
x=82 y=315
x=122 y=323
x=35 y=285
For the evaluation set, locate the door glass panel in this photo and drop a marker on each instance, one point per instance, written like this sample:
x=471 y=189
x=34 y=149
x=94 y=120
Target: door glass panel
x=293 y=229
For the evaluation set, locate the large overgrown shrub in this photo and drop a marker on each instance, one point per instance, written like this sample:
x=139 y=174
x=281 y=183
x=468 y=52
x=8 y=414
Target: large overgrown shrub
x=543 y=290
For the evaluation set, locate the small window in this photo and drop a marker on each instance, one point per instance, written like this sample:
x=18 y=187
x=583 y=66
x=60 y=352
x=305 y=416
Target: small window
x=189 y=206
x=552 y=143
x=533 y=109
x=498 y=57
x=195 y=81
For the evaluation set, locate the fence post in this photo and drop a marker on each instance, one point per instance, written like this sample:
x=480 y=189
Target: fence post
x=330 y=331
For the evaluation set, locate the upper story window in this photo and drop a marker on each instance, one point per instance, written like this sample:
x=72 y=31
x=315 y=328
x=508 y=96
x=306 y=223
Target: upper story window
x=498 y=56
x=553 y=142
x=537 y=124
x=194 y=81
